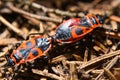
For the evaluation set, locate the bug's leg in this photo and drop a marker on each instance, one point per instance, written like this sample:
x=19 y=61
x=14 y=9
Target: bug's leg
x=33 y=35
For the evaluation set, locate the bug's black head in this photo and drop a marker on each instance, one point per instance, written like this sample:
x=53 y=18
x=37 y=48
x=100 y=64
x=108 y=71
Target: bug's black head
x=100 y=18
x=10 y=62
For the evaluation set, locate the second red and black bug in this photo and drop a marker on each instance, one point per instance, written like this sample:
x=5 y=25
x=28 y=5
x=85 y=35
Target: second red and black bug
x=74 y=29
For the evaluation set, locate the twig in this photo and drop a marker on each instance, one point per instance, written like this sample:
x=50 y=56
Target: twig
x=73 y=74
x=114 y=25
x=57 y=11
x=2 y=53
x=20 y=11
x=77 y=57
x=111 y=34
x=57 y=71
x=115 y=18
x=109 y=74
x=3 y=63
x=86 y=55
x=7 y=41
x=113 y=61
x=50 y=75
x=5 y=10
x=16 y=30
x=5 y=34
x=95 y=2
x=6 y=50
x=103 y=48
x=32 y=20
x=114 y=4
x=74 y=62
x=42 y=7
x=98 y=59
x=96 y=71
x=60 y=58
x=96 y=48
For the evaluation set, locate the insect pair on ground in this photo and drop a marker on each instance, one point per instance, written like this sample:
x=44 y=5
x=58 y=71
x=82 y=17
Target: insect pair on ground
x=69 y=31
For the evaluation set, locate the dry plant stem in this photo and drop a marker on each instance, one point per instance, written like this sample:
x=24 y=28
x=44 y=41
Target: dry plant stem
x=60 y=58
x=57 y=11
x=95 y=2
x=3 y=63
x=32 y=20
x=117 y=69
x=113 y=61
x=74 y=62
x=50 y=75
x=77 y=57
x=16 y=30
x=36 y=22
x=5 y=34
x=57 y=71
x=109 y=74
x=73 y=74
x=114 y=25
x=2 y=53
x=5 y=51
x=111 y=34
x=114 y=4
x=86 y=55
x=98 y=59
x=115 y=18
x=100 y=45
x=7 y=41
x=41 y=7
x=96 y=71
x=20 y=11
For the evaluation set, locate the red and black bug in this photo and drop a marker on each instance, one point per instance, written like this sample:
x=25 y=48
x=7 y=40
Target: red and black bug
x=30 y=50
x=74 y=29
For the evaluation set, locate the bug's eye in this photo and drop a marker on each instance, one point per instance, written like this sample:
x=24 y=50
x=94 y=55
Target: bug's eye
x=34 y=53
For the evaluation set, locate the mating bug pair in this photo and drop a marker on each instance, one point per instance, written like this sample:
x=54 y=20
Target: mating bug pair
x=69 y=31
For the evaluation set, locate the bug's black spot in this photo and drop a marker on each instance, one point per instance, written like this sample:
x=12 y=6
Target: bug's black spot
x=78 y=31
x=24 y=52
x=34 y=52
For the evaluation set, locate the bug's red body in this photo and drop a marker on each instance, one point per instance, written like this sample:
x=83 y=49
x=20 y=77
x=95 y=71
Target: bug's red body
x=30 y=50
x=74 y=29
